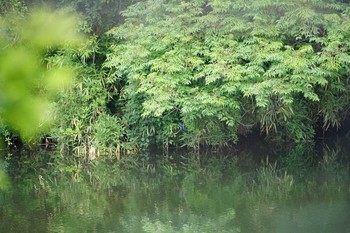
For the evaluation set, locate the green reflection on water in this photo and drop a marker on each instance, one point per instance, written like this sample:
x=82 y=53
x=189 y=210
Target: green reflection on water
x=4 y=178
x=187 y=193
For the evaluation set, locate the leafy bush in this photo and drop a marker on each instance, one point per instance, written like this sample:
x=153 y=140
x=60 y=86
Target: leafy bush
x=215 y=66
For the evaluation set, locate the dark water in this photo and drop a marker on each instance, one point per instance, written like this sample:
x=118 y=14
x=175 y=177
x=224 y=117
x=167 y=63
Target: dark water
x=300 y=188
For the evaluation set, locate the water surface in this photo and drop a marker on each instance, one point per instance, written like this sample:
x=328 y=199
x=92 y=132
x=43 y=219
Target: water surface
x=299 y=189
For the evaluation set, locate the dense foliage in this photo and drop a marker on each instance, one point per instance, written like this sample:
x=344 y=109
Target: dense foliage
x=203 y=72
x=221 y=67
x=84 y=61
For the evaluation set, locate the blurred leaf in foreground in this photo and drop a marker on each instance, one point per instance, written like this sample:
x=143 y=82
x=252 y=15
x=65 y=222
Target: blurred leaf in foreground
x=26 y=84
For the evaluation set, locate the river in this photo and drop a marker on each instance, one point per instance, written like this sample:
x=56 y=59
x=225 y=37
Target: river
x=300 y=188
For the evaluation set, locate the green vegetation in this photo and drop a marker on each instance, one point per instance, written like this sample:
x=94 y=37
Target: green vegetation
x=221 y=66
x=27 y=83
x=116 y=78
x=178 y=73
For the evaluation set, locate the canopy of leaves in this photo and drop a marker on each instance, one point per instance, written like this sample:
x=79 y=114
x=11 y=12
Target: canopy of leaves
x=217 y=66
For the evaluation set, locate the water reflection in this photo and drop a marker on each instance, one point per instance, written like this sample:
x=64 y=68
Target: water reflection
x=301 y=191
x=314 y=216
